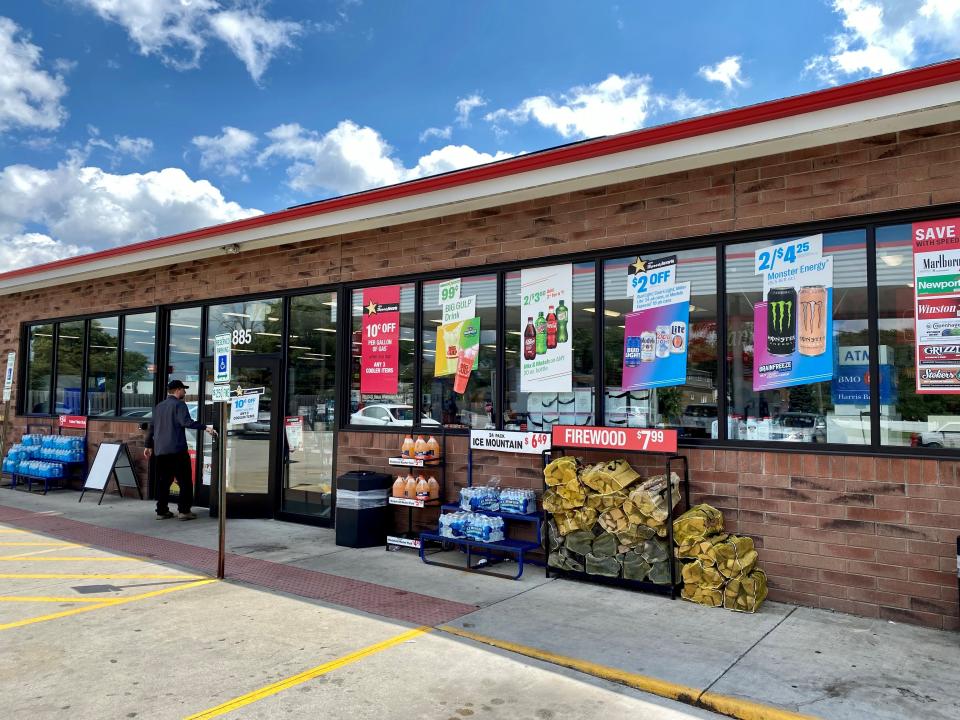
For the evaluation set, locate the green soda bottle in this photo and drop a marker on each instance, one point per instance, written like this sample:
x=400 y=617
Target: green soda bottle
x=541 y=326
x=563 y=315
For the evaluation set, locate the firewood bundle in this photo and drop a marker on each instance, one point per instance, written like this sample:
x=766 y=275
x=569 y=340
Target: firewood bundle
x=607 y=520
x=720 y=569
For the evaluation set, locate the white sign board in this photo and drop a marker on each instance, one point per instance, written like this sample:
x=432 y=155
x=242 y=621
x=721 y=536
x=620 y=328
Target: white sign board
x=221 y=392
x=103 y=464
x=449 y=290
x=244 y=409
x=546 y=296
x=221 y=353
x=528 y=443
x=8 y=377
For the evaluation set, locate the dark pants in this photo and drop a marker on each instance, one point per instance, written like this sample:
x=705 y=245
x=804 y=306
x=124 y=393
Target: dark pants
x=167 y=468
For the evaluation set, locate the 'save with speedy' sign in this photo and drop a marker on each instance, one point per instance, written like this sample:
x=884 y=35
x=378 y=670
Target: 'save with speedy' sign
x=644 y=439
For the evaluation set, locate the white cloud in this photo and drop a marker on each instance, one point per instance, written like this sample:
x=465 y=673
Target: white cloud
x=137 y=148
x=81 y=208
x=443 y=133
x=350 y=158
x=725 y=72
x=253 y=38
x=29 y=95
x=177 y=31
x=885 y=36
x=615 y=105
x=227 y=153
x=467 y=105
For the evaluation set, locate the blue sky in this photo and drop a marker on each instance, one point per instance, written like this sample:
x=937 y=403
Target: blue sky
x=123 y=120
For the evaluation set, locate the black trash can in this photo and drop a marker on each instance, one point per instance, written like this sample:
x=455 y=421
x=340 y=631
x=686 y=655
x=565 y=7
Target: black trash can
x=361 y=518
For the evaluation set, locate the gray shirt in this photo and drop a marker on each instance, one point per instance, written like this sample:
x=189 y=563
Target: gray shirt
x=170 y=419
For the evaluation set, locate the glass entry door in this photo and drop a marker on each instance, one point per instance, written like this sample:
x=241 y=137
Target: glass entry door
x=251 y=447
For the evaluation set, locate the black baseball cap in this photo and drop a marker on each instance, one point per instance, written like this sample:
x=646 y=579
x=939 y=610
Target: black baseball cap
x=175 y=385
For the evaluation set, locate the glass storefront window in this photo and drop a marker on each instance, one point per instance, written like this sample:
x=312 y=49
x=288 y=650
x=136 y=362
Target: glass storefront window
x=39 y=369
x=68 y=394
x=380 y=409
x=818 y=412
x=538 y=412
x=102 y=356
x=309 y=423
x=184 y=360
x=906 y=417
x=474 y=407
x=255 y=326
x=691 y=408
x=139 y=365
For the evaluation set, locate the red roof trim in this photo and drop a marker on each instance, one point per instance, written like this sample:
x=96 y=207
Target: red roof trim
x=870 y=89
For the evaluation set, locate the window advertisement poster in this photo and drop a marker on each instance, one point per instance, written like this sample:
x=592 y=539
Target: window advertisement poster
x=293 y=429
x=245 y=409
x=793 y=325
x=655 y=333
x=380 y=351
x=851 y=382
x=459 y=334
x=546 y=295
x=936 y=270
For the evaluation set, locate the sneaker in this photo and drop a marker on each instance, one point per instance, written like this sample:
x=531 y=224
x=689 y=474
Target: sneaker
x=187 y=516
x=164 y=516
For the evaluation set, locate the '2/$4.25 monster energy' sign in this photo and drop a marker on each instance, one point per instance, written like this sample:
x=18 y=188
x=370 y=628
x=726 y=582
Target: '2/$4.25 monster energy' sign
x=793 y=325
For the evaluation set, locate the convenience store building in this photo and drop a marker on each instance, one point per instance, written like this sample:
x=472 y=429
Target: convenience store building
x=849 y=485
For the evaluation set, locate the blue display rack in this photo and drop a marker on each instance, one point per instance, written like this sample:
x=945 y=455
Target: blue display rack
x=69 y=468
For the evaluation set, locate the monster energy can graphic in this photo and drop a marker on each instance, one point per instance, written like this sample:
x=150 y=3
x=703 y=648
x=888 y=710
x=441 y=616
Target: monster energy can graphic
x=781 y=321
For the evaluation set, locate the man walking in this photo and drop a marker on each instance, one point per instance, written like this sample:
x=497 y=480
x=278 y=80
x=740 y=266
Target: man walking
x=167 y=440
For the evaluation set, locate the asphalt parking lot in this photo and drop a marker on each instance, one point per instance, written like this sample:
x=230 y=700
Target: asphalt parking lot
x=96 y=634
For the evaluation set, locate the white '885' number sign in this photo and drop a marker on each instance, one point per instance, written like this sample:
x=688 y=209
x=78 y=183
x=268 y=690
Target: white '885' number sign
x=241 y=337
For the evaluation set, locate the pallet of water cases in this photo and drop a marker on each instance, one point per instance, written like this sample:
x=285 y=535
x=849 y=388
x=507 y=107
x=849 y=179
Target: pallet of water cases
x=72 y=469
x=654 y=444
x=488 y=554
x=418 y=468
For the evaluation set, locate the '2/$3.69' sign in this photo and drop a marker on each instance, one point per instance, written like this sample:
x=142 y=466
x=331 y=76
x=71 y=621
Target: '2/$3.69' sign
x=546 y=359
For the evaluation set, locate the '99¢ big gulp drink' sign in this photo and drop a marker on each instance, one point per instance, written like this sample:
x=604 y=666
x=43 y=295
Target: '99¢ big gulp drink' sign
x=380 y=342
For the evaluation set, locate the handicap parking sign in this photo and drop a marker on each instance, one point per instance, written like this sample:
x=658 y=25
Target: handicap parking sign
x=221 y=350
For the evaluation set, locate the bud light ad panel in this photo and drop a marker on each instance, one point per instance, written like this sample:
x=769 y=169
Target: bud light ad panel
x=793 y=326
x=655 y=339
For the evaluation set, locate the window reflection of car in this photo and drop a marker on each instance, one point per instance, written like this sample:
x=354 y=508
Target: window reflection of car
x=698 y=419
x=799 y=427
x=133 y=412
x=388 y=415
x=946 y=436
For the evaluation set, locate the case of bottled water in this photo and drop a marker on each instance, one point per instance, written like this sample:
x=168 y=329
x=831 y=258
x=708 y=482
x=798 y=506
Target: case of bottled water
x=480 y=498
x=519 y=501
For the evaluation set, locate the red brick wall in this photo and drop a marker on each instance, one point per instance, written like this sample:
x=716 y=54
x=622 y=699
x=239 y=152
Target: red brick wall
x=871 y=536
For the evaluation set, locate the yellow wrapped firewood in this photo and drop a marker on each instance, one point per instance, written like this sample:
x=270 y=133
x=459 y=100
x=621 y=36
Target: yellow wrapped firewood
x=562 y=471
x=702 y=595
x=555 y=501
x=651 y=497
x=745 y=593
x=703 y=574
x=602 y=503
x=622 y=518
x=700 y=548
x=734 y=556
x=609 y=477
x=633 y=536
x=578 y=519
x=698 y=522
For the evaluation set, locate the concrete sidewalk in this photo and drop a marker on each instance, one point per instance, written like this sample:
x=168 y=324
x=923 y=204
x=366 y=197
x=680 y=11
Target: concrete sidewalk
x=813 y=662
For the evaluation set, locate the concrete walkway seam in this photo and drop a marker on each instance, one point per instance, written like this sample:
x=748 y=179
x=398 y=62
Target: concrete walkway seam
x=723 y=704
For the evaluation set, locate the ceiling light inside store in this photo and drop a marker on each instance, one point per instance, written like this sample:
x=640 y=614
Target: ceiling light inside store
x=69 y=337
x=438 y=322
x=230 y=314
x=300 y=347
x=333 y=330
x=192 y=327
x=892 y=260
x=611 y=313
x=590 y=310
x=130 y=329
x=141 y=342
x=512 y=352
x=272 y=334
x=514 y=332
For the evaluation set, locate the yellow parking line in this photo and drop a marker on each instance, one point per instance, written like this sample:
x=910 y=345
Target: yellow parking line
x=40 y=544
x=273 y=689
x=117 y=558
x=99 y=576
x=45 y=598
x=12 y=531
x=723 y=704
x=112 y=602
x=35 y=552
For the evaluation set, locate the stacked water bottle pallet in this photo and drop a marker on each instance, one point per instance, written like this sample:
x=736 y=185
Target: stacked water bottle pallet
x=476 y=524
x=44 y=457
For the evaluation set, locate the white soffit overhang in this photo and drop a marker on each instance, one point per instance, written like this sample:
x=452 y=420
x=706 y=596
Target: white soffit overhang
x=892 y=113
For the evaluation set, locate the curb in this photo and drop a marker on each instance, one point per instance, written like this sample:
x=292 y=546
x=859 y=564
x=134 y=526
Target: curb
x=723 y=704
